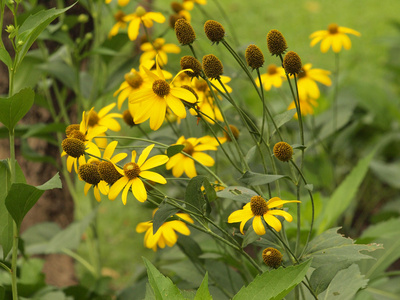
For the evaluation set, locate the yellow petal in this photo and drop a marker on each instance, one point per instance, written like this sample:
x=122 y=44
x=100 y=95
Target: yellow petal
x=105 y=110
x=143 y=226
x=154 y=161
x=288 y=217
x=156 y=16
x=133 y=29
x=273 y=222
x=117 y=187
x=138 y=190
x=109 y=151
x=204 y=158
x=258 y=225
x=97 y=194
x=87 y=188
x=189 y=168
x=158 y=114
x=153 y=176
x=144 y=155
x=183 y=94
x=125 y=192
x=176 y=106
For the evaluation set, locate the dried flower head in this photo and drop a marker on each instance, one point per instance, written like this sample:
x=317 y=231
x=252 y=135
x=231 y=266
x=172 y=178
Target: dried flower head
x=108 y=173
x=73 y=147
x=184 y=32
x=254 y=57
x=212 y=66
x=272 y=257
x=215 y=32
x=189 y=62
x=89 y=173
x=292 y=63
x=276 y=42
x=71 y=128
x=283 y=151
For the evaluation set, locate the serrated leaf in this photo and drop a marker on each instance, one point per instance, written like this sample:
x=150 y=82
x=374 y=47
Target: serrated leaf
x=203 y=293
x=162 y=286
x=275 y=284
x=344 y=194
x=5 y=57
x=251 y=178
x=174 y=149
x=13 y=109
x=163 y=213
x=22 y=197
x=332 y=247
x=282 y=119
x=237 y=193
x=345 y=284
x=33 y=26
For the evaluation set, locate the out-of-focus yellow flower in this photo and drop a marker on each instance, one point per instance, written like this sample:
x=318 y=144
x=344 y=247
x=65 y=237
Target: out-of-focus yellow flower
x=158 y=47
x=306 y=105
x=189 y=4
x=120 y=24
x=141 y=16
x=259 y=209
x=180 y=163
x=166 y=234
x=335 y=36
x=120 y=2
x=306 y=83
x=152 y=100
x=274 y=77
x=133 y=173
x=105 y=119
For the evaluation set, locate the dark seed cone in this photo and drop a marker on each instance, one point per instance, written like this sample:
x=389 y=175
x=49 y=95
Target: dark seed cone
x=212 y=66
x=89 y=173
x=173 y=18
x=292 y=63
x=189 y=62
x=126 y=115
x=71 y=128
x=176 y=6
x=108 y=172
x=215 y=32
x=184 y=32
x=276 y=42
x=283 y=151
x=272 y=257
x=254 y=57
x=73 y=147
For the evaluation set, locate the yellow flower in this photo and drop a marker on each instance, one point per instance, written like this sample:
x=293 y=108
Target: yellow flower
x=180 y=163
x=306 y=83
x=306 y=105
x=158 y=47
x=133 y=172
x=153 y=99
x=102 y=186
x=259 y=209
x=104 y=119
x=274 y=77
x=188 y=4
x=141 y=16
x=121 y=24
x=84 y=134
x=335 y=36
x=166 y=234
x=120 y=2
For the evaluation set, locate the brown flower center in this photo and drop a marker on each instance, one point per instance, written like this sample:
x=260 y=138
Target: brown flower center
x=119 y=16
x=108 y=172
x=258 y=205
x=133 y=79
x=201 y=85
x=89 y=173
x=272 y=69
x=302 y=73
x=157 y=45
x=333 y=28
x=131 y=170
x=189 y=149
x=161 y=88
x=93 y=118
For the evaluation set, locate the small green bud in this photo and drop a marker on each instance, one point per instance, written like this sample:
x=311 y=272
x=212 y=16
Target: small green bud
x=83 y=18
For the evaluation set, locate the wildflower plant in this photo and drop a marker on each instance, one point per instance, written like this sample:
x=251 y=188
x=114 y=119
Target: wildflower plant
x=209 y=174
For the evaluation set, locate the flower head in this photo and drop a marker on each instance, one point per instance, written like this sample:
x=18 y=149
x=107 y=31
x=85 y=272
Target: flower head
x=189 y=4
x=141 y=16
x=132 y=175
x=120 y=23
x=212 y=66
x=158 y=47
x=166 y=234
x=292 y=63
x=214 y=31
x=335 y=36
x=306 y=82
x=272 y=257
x=283 y=151
x=260 y=210
x=274 y=77
x=184 y=32
x=254 y=57
x=307 y=106
x=276 y=42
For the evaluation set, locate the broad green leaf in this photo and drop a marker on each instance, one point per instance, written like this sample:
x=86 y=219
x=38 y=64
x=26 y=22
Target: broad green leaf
x=323 y=275
x=345 y=284
x=22 y=197
x=162 y=286
x=203 y=293
x=282 y=119
x=331 y=247
x=37 y=237
x=275 y=284
x=251 y=178
x=191 y=249
x=196 y=199
x=14 y=108
x=344 y=194
x=163 y=213
x=174 y=149
x=5 y=57
x=387 y=172
x=386 y=229
x=33 y=26
x=237 y=193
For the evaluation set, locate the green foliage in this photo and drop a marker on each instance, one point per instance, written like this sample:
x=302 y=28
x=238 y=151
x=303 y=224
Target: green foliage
x=174 y=149
x=197 y=200
x=282 y=119
x=163 y=213
x=5 y=57
x=203 y=292
x=13 y=109
x=275 y=284
x=251 y=178
x=237 y=193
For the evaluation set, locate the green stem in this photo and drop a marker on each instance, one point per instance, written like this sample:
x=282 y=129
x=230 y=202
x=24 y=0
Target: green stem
x=336 y=91
x=81 y=260
x=5 y=267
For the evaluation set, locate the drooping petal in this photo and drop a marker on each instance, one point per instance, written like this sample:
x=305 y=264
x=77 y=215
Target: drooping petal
x=204 y=158
x=117 y=187
x=97 y=194
x=87 y=188
x=156 y=16
x=189 y=168
x=346 y=42
x=174 y=160
x=177 y=170
x=158 y=114
x=176 y=106
x=326 y=44
x=273 y=222
x=125 y=192
x=183 y=94
x=180 y=227
x=258 y=225
x=336 y=43
x=277 y=212
x=110 y=123
x=170 y=236
x=143 y=226
x=133 y=29
x=138 y=190
x=153 y=176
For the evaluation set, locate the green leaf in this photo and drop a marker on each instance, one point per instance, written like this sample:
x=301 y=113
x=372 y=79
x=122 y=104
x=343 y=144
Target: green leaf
x=6 y=223
x=195 y=197
x=2 y=293
x=251 y=178
x=203 y=293
x=323 y=275
x=237 y=193
x=332 y=247
x=345 y=193
x=345 y=284
x=41 y=130
x=162 y=286
x=163 y=213
x=33 y=26
x=275 y=284
x=174 y=149
x=22 y=197
x=14 y=108
x=282 y=119
x=191 y=249
x=5 y=57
